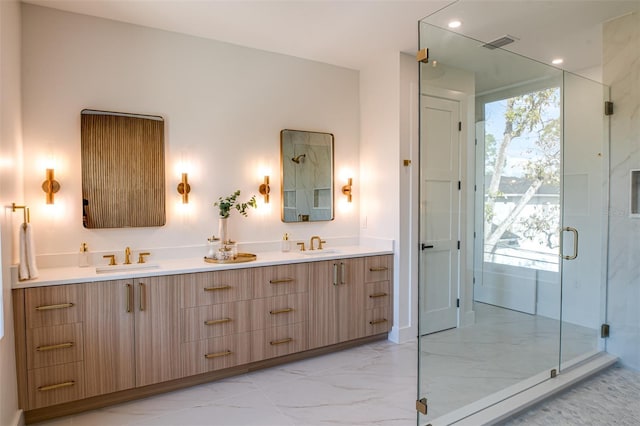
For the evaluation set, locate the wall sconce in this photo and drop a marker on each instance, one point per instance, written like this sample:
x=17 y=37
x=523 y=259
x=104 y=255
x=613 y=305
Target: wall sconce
x=346 y=190
x=50 y=186
x=264 y=189
x=184 y=189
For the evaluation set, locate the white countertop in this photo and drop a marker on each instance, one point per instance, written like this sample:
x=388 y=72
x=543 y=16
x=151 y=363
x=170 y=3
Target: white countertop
x=75 y=274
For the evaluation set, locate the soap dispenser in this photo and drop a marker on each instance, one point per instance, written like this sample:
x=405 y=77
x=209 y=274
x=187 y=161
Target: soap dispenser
x=286 y=244
x=83 y=256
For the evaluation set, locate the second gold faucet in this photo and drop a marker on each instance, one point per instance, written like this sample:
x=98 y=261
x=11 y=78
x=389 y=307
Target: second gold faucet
x=320 y=242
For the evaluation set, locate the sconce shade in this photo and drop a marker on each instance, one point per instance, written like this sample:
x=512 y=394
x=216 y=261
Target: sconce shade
x=346 y=189
x=184 y=188
x=264 y=189
x=50 y=186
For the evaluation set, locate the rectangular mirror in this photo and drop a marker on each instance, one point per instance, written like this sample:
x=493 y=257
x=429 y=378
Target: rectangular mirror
x=306 y=160
x=122 y=170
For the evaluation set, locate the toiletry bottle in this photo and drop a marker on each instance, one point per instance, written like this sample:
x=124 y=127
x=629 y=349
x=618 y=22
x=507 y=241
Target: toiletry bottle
x=286 y=244
x=83 y=256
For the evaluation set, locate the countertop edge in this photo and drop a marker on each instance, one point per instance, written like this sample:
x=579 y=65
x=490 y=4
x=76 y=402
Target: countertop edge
x=78 y=275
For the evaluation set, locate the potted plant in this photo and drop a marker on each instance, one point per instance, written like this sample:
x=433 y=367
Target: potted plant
x=225 y=206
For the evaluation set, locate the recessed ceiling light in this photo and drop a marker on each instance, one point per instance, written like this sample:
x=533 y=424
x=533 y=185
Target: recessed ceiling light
x=557 y=61
x=454 y=24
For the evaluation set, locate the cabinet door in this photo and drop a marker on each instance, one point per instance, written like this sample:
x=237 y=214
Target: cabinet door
x=323 y=303
x=350 y=299
x=109 y=323
x=157 y=328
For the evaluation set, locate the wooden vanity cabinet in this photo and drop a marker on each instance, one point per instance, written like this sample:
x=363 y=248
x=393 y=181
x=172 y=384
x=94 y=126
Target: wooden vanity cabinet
x=133 y=333
x=97 y=343
x=336 y=301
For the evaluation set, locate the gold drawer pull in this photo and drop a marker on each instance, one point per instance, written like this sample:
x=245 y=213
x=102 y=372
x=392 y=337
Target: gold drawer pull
x=59 y=306
x=217 y=354
x=373 y=296
x=281 y=341
x=282 y=280
x=223 y=287
x=57 y=386
x=380 y=321
x=281 y=311
x=378 y=269
x=218 y=321
x=52 y=347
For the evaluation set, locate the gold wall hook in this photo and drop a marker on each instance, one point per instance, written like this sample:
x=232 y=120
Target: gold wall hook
x=50 y=186
x=264 y=189
x=346 y=190
x=184 y=188
x=25 y=211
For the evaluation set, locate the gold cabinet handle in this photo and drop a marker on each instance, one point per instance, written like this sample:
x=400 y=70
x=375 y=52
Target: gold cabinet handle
x=335 y=274
x=342 y=273
x=217 y=354
x=129 y=289
x=143 y=297
x=379 y=321
x=281 y=311
x=281 y=341
x=58 y=306
x=222 y=287
x=378 y=268
x=57 y=386
x=53 y=347
x=281 y=280
x=218 y=321
x=373 y=296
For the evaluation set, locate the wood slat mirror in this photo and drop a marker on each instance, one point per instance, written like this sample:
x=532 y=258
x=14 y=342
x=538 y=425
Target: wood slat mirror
x=306 y=160
x=123 y=182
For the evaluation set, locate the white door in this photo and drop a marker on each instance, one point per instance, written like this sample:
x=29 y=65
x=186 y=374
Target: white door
x=439 y=213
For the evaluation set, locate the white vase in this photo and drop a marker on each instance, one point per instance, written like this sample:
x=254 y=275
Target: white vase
x=222 y=230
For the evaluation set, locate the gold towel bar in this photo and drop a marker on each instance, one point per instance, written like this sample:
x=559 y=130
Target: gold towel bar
x=25 y=211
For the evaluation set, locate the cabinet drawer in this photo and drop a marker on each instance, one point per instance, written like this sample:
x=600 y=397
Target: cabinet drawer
x=377 y=295
x=55 y=305
x=378 y=321
x=205 y=322
x=278 y=341
x=215 y=354
x=377 y=268
x=279 y=280
x=212 y=288
x=55 y=385
x=59 y=344
x=279 y=310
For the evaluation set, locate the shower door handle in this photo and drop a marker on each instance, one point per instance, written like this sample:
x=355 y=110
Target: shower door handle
x=575 y=243
x=424 y=246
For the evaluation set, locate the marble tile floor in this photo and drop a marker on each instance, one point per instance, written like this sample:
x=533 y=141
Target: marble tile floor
x=367 y=385
x=609 y=398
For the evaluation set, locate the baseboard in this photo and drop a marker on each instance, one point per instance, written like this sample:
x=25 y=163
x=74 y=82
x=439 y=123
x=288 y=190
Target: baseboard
x=403 y=335
x=18 y=419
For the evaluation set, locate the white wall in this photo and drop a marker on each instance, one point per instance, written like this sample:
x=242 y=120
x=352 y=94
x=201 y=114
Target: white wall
x=380 y=164
x=224 y=106
x=622 y=72
x=10 y=191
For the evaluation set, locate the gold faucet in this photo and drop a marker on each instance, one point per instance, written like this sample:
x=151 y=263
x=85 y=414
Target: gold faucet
x=127 y=255
x=320 y=242
x=111 y=257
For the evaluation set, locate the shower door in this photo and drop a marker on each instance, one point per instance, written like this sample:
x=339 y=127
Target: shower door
x=533 y=228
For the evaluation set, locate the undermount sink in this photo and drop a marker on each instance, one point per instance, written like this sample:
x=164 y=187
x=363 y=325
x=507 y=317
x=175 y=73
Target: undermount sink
x=319 y=252
x=126 y=268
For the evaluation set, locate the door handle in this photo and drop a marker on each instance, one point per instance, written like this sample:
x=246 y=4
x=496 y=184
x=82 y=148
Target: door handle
x=424 y=246
x=575 y=243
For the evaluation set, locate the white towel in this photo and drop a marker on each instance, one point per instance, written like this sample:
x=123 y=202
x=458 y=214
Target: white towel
x=27 y=269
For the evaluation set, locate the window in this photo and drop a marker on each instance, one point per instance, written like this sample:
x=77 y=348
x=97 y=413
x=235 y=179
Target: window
x=522 y=180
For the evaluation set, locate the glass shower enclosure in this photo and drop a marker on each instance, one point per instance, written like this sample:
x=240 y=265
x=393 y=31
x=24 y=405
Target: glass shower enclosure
x=513 y=224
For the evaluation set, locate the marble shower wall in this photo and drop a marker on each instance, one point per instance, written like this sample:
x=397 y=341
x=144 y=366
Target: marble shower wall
x=621 y=71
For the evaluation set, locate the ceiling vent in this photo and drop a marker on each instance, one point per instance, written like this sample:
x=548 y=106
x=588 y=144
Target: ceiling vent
x=499 y=42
